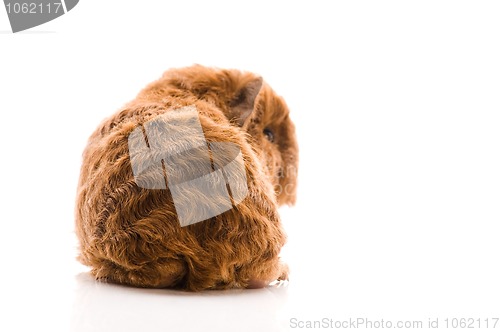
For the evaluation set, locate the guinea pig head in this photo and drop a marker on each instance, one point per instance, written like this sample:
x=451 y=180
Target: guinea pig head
x=258 y=110
x=273 y=132
x=251 y=104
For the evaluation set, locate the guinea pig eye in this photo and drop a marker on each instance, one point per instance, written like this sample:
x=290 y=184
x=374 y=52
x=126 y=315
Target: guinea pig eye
x=269 y=134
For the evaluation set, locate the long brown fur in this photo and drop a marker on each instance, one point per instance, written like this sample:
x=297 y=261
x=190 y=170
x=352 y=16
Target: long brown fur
x=131 y=235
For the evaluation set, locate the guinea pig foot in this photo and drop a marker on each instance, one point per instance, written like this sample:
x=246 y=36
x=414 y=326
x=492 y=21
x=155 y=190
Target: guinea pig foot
x=284 y=272
x=256 y=283
x=102 y=279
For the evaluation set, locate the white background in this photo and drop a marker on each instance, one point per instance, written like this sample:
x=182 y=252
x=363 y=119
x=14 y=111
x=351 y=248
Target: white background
x=398 y=113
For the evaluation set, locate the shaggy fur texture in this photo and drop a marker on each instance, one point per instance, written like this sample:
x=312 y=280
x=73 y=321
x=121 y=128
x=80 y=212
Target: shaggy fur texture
x=131 y=235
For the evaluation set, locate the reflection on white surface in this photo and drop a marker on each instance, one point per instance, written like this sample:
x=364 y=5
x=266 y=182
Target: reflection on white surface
x=108 y=307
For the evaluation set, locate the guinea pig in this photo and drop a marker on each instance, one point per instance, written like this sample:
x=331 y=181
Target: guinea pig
x=140 y=221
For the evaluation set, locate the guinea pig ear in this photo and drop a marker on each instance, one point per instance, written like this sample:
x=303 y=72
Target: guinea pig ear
x=243 y=104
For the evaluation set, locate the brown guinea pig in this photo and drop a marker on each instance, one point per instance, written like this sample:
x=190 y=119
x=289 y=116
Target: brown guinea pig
x=141 y=217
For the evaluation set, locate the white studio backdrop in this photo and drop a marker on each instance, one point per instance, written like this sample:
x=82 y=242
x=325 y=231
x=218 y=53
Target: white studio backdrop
x=397 y=111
